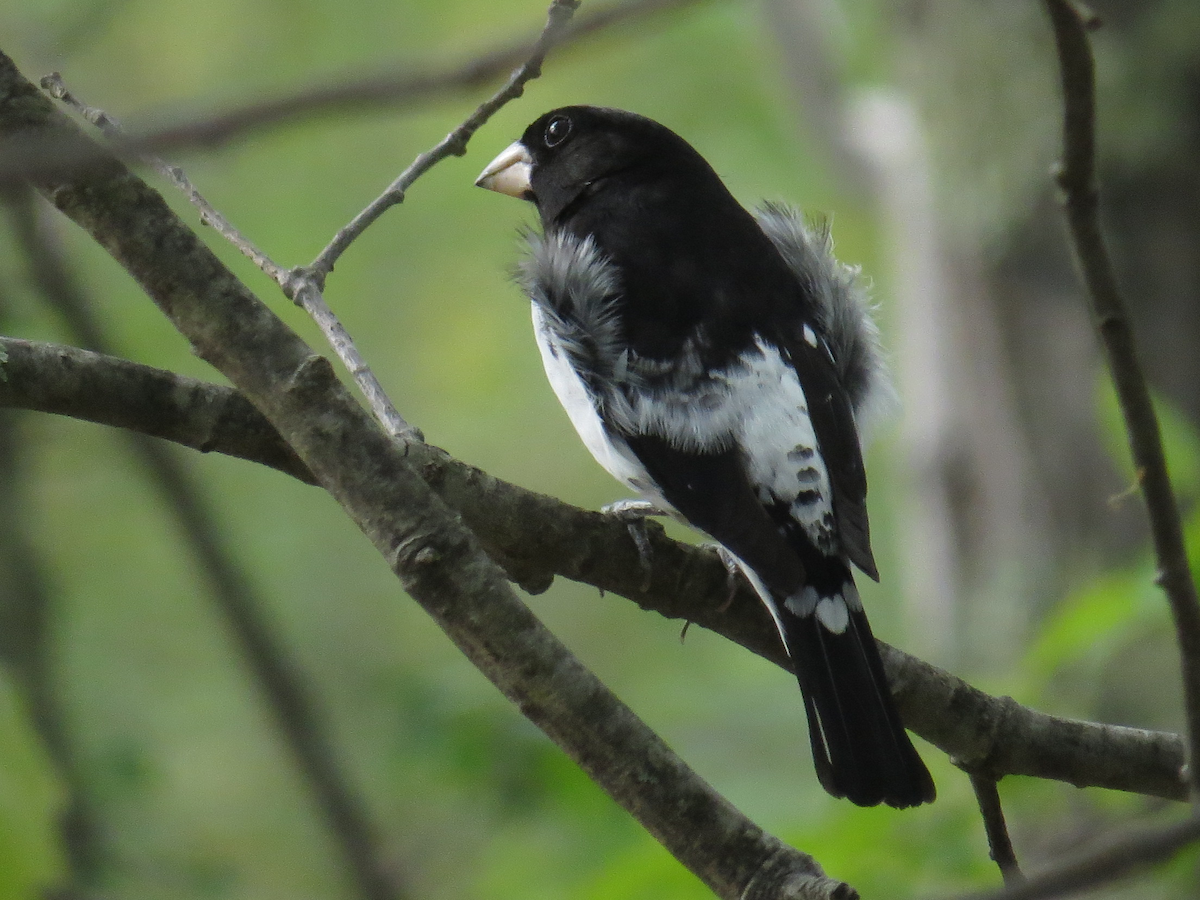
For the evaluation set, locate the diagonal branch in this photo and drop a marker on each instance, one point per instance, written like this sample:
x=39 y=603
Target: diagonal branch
x=396 y=87
x=454 y=144
x=536 y=537
x=301 y=288
x=1077 y=179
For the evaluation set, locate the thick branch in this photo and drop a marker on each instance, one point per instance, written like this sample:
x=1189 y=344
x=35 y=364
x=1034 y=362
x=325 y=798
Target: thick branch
x=537 y=537
x=436 y=558
x=1077 y=179
x=53 y=378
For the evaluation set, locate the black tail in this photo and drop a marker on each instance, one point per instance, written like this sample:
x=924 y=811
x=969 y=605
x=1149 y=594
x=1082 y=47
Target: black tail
x=859 y=744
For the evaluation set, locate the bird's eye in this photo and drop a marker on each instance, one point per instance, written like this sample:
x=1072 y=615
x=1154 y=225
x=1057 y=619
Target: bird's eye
x=556 y=131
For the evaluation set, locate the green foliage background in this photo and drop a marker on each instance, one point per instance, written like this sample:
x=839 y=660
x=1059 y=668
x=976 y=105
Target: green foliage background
x=197 y=795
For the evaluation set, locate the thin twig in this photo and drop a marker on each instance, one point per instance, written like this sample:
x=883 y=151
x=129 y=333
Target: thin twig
x=454 y=144
x=393 y=88
x=1000 y=847
x=389 y=89
x=301 y=289
x=305 y=284
x=1077 y=180
x=1114 y=858
x=54 y=85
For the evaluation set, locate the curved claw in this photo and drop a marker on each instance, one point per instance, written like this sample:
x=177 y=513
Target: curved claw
x=634 y=514
x=733 y=571
x=631 y=510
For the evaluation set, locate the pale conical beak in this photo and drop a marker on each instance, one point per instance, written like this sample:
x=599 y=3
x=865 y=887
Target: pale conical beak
x=509 y=172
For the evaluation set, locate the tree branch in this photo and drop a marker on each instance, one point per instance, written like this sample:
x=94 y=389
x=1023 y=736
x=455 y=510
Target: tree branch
x=558 y=20
x=1077 y=180
x=27 y=615
x=394 y=88
x=1113 y=858
x=436 y=558
x=53 y=378
x=299 y=287
x=1000 y=848
x=536 y=537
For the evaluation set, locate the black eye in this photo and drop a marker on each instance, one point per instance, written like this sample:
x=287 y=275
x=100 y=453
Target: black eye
x=556 y=131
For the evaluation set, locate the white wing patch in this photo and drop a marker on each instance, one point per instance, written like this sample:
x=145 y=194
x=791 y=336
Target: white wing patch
x=842 y=308
x=832 y=612
x=780 y=445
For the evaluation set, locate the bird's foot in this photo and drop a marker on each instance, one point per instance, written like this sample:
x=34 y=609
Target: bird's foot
x=634 y=514
x=632 y=510
x=733 y=572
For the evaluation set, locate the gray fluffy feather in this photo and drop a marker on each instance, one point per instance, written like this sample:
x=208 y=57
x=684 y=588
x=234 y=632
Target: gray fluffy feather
x=843 y=309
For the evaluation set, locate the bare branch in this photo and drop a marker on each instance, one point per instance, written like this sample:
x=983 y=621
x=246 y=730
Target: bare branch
x=536 y=537
x=54 y=378
x=305 y=285
x=295 y=283
x=1000 y=847
x=1077 y=180
x=454 y=144
x=391 y=89
x=1114 y=858
x=111 y=129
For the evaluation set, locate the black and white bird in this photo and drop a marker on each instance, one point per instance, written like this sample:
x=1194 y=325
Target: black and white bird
x=719 y=363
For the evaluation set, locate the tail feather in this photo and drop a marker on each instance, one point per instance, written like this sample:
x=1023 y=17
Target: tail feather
x=859 y=744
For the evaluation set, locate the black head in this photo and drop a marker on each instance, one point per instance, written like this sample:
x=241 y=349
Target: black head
x=576 y=151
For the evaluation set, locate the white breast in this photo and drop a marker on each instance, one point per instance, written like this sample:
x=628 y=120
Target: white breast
x=612 y=453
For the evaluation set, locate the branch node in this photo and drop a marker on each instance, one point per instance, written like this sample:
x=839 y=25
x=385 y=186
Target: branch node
x=312 y=377
x=779 y=877
x=300 y=279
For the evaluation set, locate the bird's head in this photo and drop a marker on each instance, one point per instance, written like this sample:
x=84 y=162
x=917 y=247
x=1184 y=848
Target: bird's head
x=574 y=152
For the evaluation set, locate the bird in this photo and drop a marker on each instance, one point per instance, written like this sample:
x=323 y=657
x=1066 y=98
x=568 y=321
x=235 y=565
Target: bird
x=720 y=364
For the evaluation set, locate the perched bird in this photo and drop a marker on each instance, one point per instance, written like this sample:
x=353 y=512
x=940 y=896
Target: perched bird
x=719 y=363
